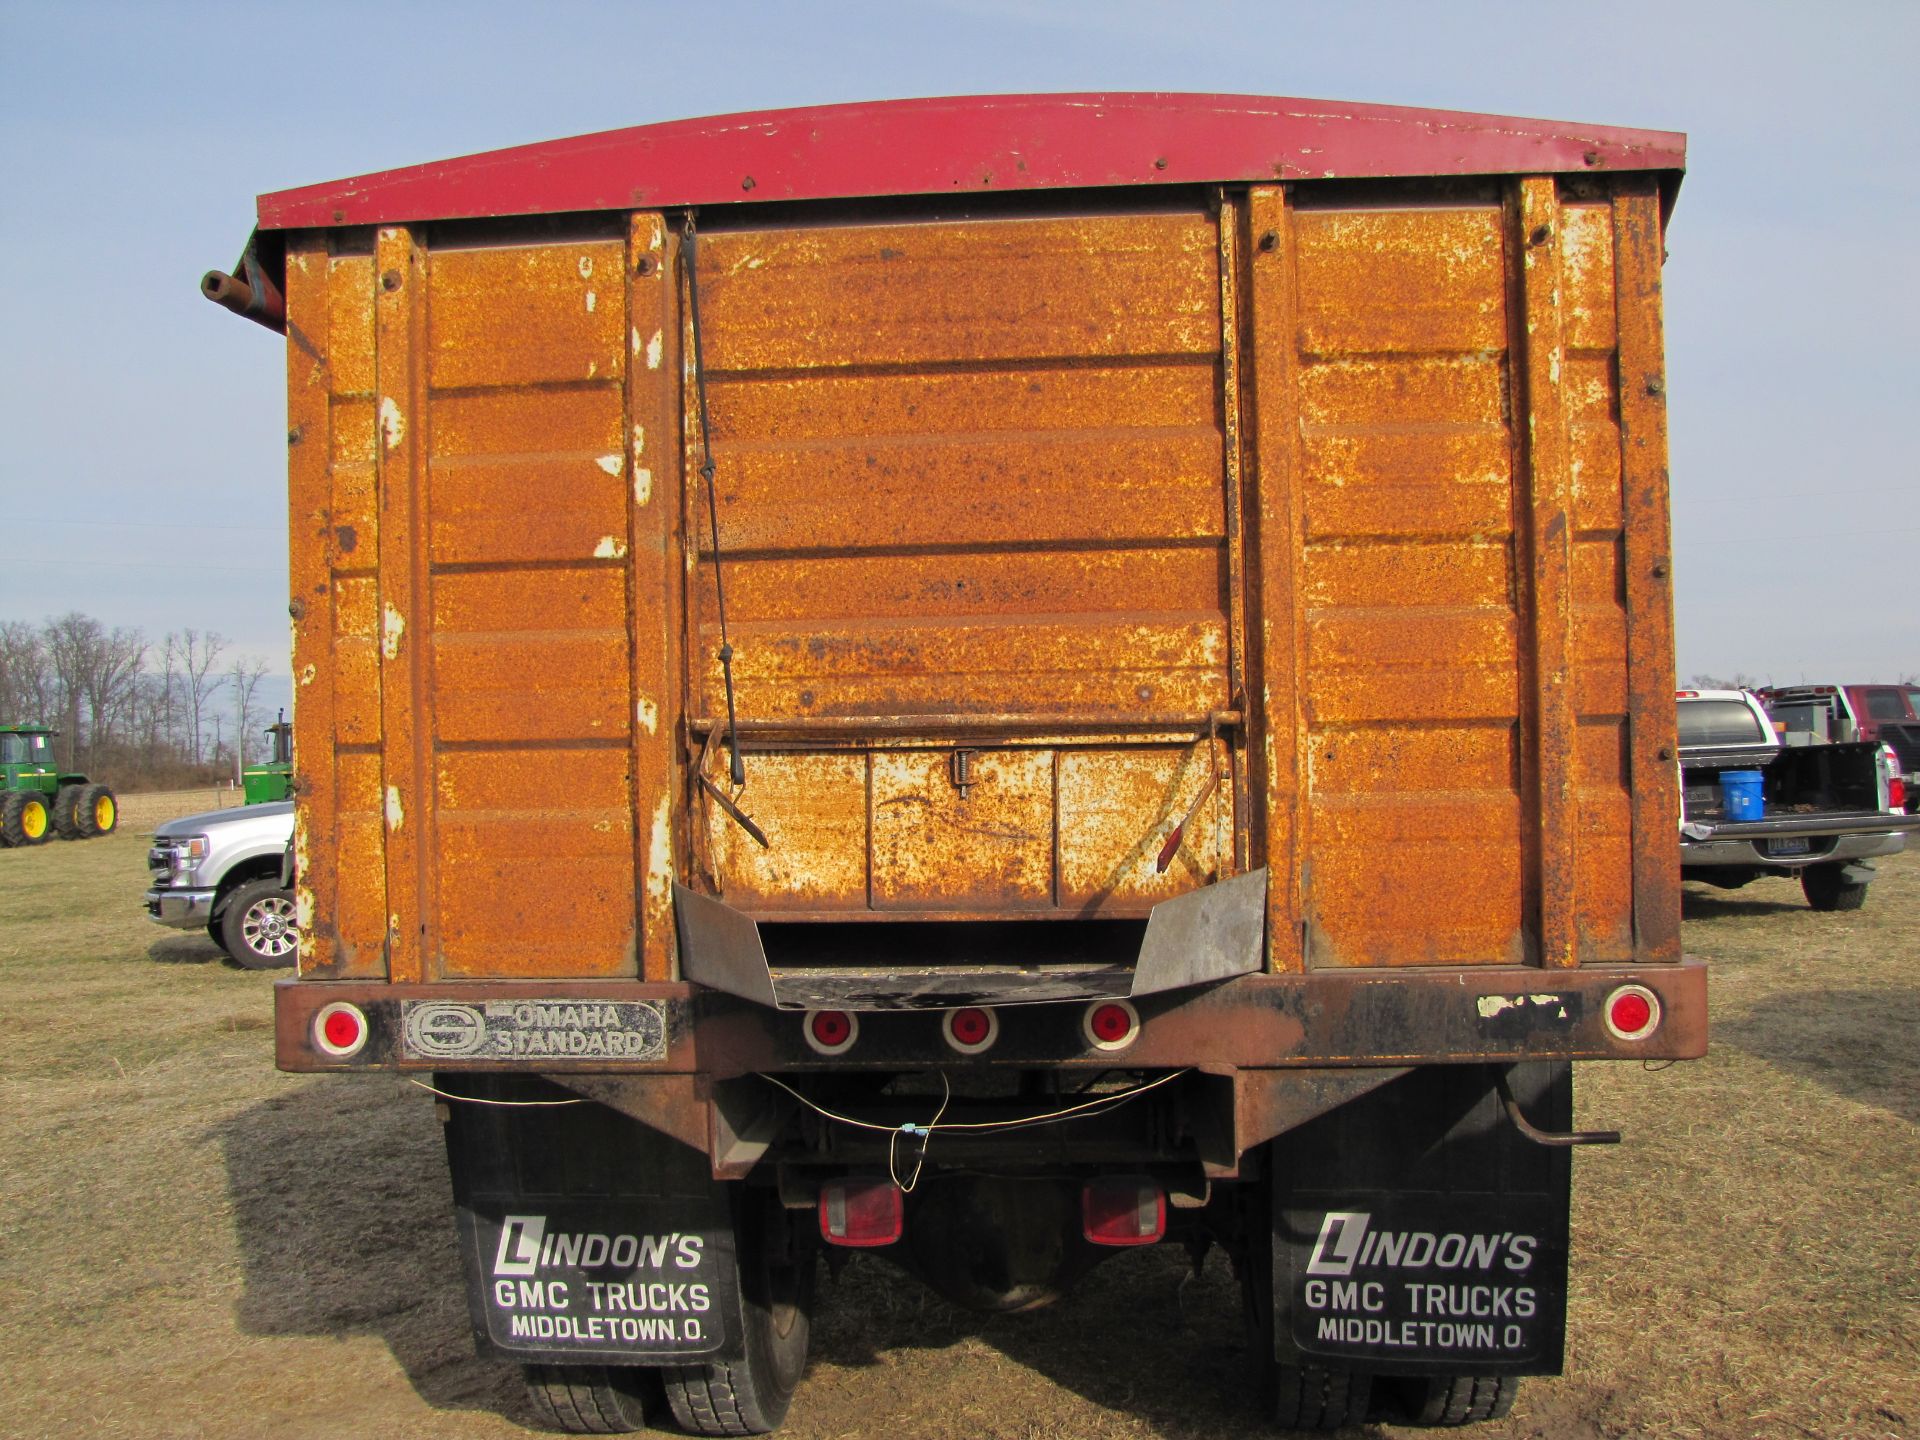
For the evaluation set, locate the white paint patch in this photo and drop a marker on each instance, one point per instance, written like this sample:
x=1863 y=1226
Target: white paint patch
x=393 y=425
x=307 y=675
x=611 y=547
x=633 y=339
x=642 y=485
x=654 y=347
x=586 y=267
x=593 y=368
x=639 y=441
x=592 y=300
x=396 y=816
x=648 y=714
x=303 y=908
x=612 y=464
x=1491 y=1005
x=660 y=855
x=392 y=628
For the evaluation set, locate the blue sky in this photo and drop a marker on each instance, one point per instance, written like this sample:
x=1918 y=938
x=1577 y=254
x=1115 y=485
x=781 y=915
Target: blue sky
x=143 y=427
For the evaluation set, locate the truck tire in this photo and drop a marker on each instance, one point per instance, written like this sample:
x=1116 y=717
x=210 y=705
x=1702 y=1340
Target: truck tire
x=594 y=1399
x=1467 y=1399
x=66 y=822
x=257 y=927
x=96 y=812
x=750 y=1395
x=1310 y=1397
x=1826 y=888
x=26 y=818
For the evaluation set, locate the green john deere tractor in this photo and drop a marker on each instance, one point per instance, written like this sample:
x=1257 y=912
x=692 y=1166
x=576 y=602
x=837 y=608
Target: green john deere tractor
x=38 y=801
x=272 y=779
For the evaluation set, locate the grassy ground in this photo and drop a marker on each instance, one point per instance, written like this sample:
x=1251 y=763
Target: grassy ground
x=192 y=1244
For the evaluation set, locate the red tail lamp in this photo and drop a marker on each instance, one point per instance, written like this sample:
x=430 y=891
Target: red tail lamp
x=971 y=1030
x=861 y=1213
x=340 y=1030
x=831 y=1032
x=1110 y=1024
x=1632 y=1013
x=1123 y=1210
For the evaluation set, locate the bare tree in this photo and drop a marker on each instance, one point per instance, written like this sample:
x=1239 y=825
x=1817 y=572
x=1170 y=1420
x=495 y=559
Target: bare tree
x=25 y=680
x=109 y=681
x=73 y=641
x=198 y=651
x=243 y=679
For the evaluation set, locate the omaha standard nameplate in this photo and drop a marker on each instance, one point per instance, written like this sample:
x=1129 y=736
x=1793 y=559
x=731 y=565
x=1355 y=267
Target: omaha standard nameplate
x=540 y=1030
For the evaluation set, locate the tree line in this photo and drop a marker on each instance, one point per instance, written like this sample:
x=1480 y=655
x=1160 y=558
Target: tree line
x=132 y=711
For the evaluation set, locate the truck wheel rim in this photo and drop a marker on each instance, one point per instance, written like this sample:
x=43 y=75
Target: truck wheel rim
x=269 y=928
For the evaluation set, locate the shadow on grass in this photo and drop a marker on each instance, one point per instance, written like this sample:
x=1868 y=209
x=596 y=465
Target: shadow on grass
x=187 y=947
x=1698 y=904
x=344 y=1214
x=1856 y=1043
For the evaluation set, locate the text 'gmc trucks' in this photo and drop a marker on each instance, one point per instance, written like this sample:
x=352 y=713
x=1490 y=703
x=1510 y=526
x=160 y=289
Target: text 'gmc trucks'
x=990 y=680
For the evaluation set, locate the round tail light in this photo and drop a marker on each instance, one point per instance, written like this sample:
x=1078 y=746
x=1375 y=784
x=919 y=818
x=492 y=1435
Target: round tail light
x=971 y=1030
x=1632 y=1013
x=1110 y=1024
x=831 y=1032
x=340 y=1030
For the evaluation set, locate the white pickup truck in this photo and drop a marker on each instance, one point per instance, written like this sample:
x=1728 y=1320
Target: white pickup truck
x=1828 y=811
x=222 y=872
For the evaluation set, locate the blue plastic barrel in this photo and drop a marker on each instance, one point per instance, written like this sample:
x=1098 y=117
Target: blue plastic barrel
x=1740 y=795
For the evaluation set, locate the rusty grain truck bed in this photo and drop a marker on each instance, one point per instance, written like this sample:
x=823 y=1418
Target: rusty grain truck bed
x=1122 y=643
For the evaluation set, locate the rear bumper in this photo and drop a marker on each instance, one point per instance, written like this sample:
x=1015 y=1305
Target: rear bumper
x=1752 y=854
x=1260 y=1054
x=1348 y=1018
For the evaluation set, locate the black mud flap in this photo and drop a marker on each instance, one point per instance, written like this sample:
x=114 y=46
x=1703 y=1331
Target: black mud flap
x=1416 y=1232
x=587 y=1237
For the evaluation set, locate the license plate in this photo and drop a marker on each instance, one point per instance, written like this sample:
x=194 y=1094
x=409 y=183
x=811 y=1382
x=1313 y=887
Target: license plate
x=1794 y=845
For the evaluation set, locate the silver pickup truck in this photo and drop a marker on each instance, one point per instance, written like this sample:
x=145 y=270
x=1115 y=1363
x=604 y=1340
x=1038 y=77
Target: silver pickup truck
x=1827 y=810
x=222 y=872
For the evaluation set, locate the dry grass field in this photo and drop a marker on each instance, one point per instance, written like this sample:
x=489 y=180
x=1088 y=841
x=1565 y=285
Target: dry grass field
x=194 y=1245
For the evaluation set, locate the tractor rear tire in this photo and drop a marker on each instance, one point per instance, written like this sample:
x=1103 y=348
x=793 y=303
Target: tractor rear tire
x=66 y=822
x=96 y=812
x=26 y=818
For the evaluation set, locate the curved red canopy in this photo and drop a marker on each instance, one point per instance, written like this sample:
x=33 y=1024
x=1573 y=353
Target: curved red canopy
x=970 y=144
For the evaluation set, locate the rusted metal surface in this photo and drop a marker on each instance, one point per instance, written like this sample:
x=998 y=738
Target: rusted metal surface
x=1255 y=1022
x=256 y=297
x=1548 y=761
x=1075 y=561
x=973 y=144
x=1647 y=560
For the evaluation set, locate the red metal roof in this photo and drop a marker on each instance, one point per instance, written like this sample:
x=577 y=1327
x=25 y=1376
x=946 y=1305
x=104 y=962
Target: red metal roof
x=969 y=144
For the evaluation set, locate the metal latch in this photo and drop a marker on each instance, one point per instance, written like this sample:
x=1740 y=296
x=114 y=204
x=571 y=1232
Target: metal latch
x=960 y=771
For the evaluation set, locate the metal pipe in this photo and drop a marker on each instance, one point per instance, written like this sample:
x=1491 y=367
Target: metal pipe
x=256 y=297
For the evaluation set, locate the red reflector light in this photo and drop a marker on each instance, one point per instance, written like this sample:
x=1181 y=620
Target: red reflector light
x=1632 y=1012
x=831 y=1032
x=1123 y=1210
x=340 y=1030
x=971 y=1030
x=1110 y=1024
x=861 y=1214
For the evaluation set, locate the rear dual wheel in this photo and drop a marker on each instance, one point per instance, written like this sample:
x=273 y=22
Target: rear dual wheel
x=1827 y=888
x=748 y=1395
x=594 y=1399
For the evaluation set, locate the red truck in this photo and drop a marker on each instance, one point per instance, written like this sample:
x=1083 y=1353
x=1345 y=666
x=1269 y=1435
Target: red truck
x=991 y=680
